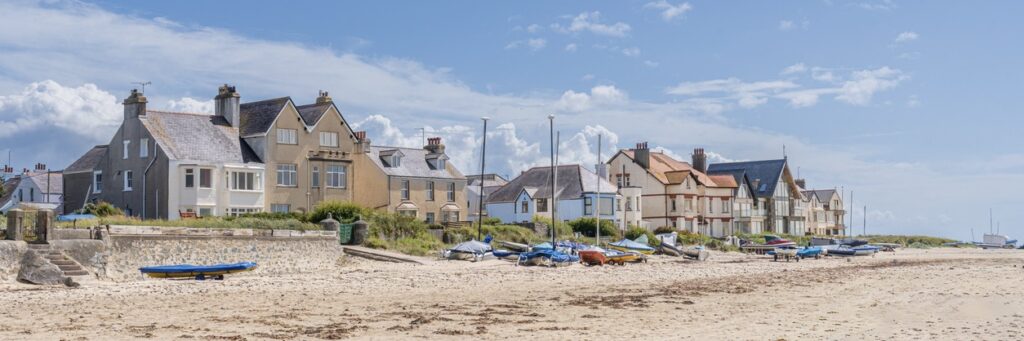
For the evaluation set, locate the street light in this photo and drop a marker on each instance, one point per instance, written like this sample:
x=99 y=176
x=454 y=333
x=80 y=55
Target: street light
x=480 y=210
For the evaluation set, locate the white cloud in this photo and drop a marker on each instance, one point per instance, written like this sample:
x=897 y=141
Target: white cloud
x=192 y=105
x=588 y=77
x=534 y=28
x=591 y=22
x=884 y=5
x=668 y=10
x=905 y=37
x=786 y=25
x=795 y=68
x=865 y=83
x=84 y=111
x=651 y=63
x=534 y=44
x=608 y=94
x=570 y=47
x=728 y=85
x=599 y=95
x=573 y=101
x=631 y=51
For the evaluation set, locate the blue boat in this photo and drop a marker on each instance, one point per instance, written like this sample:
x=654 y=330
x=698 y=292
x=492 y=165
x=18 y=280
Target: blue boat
x=809 y=252
x=547 y=257
x=200 y=272
x=626 y=245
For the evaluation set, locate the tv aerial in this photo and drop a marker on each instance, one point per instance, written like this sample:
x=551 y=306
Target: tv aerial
x=143 y=85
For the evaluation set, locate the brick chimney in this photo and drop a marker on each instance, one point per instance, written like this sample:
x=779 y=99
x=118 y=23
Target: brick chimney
x=226 y=105
x=323 y=98
x=700 y=160
x=134 y=105
x=801 y=183
x=434 y=146
x=362 y=142
x=40 y=167
x=642 y=155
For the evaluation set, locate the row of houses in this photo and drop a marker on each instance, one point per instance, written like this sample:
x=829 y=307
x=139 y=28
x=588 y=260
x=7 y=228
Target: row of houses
x=276 y=155
x=641 y=187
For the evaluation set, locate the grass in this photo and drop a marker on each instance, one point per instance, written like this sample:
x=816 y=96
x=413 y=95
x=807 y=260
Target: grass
x=909 y=241
x=209 y=222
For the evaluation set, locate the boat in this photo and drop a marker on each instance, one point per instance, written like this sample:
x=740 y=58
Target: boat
x=776 y=241
x=863 y=250
x=200 y=272
x=505 y=254
x=670 y=250
x=514 y=246
x=626 y=245
x=810 y=252
x=546 y=257
x=471 y=250
x=787 y=253
x=996 y=241
x=593 y=257
x=696 y=252
x=851 y=242
x=621 y=258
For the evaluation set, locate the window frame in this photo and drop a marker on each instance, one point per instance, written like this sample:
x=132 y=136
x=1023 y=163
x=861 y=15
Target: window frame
x=244 y=181
x=339 y=175
x=451 y=192
x=544 y=207
x=331 y=139
x=290 y=172
x=405 y=189
x=125 y=147
x=275 y=208
x=127 y=181
x=208 y=178
x=430 y=191
x=143 y=147
x=287 y=136
x=190 y=178
x=97 y=182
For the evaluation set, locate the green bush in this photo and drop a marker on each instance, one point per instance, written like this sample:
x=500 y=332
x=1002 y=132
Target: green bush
x=492 y=221
x=392 y=226
x=585 y=226
x=910 y=240
x=278 y=216
x=511 y=233
x=664 y=229
x=344 y=212
x=564 y=231
x=102 y=209
x=635 y=232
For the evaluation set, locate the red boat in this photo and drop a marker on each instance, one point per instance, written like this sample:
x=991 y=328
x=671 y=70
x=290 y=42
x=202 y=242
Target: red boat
x=593 y=257
x=776 y=241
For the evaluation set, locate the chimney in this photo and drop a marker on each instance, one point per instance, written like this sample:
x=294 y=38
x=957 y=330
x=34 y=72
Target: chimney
x=40 y=167
x=362 y=143
x=434 y=145
x=134 y=105
x=323 y=98
x=226 y=105
x=801 y=183
x=642 y=155
x=700 y=160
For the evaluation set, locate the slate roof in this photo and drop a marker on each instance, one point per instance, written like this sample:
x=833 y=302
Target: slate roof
x=824 y=195
x=573 y=181
x=257 y=117
x=198 y=137
x=9 y=188
x=490 y=180
x=88 y=161
x=765 y=174
x=311 y=113
x=55 y=179
x=413 y=164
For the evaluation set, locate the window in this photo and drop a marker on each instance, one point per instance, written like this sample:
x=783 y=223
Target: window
x=451 y=192
x=143 y=148
x=430 y=217
x=287 y=136
x=280 y=208
x=237 y=211
x=286 y=175
x=315 y=177
x=127 y=181
x=124 y=149
x=588 y=206
x=629 y=204
x=405 y=189
x=190 y=178
x=336 y=176
x=618 y=207
x=542 y=205
x=526 y=206
x=205 y=178
x=408 y=213
x=205 y=212
x=31 y=194
x=673 y=204
x=440 y=164
x=328 y=139
x=396 y=160
x=244 y=181
x=430 y=191
x=725 y=206
x=623 y=180
x=97 y=181
x=450 y=216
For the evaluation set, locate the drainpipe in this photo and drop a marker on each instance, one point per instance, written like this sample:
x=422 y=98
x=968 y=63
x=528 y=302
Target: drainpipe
x=145 y=175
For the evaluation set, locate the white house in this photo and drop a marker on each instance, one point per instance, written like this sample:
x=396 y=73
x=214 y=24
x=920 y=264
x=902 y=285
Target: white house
x=529 y=195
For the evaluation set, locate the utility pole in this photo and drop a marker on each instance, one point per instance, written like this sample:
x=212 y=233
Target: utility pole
x=551 y=124
x=865 y=231
x=483 y=158
x=850 y=228
x=597 y=205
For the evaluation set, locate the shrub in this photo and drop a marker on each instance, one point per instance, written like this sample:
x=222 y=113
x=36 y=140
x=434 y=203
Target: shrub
x=909 y=240
x=512 y=233
x=344 y=212
x=215 y=222
x=664 y=229
x=585 y=226
x=102 y=209
x=278 y=216
x=392 y=226
x=564 y=231
x=492 y=221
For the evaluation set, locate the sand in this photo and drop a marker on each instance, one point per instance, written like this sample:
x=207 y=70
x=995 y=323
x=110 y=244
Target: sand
x=949 y=294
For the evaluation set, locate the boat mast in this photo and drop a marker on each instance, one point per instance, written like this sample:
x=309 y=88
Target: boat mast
x=597 y=205
x=554 y=195
x=551 y=119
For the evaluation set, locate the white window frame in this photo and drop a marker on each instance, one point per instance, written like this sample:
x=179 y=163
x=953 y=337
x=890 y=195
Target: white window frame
x=287 y=174
x=125 y=145
x=405 y=189
x=430 y=191
x=328 y=139
x=244 y=181
x=396 y=161
x=128 y=178
x=209 y=173
x=190 y=173
x=97 y=186
x=287 y=136
x=237 y=211
x=440 y=164
x=337 y=176
x=280 y=208
x=451 y=192
x=314 y=177
x=143 y=148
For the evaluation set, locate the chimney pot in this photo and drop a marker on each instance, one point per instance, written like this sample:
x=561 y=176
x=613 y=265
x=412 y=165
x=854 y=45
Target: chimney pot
x=227 y=105
x=323 y=97
x=134 y=105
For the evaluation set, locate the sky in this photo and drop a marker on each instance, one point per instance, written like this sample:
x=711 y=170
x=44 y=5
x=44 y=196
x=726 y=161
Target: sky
x=911 y=105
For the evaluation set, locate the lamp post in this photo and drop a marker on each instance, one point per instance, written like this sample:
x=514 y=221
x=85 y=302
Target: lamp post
x=483 y=158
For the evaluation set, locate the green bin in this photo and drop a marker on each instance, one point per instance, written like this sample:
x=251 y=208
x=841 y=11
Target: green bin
x=345 y=233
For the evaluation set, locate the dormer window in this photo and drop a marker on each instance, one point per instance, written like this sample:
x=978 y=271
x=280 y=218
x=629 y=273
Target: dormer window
x=440 y=164
x=391 y=158
x=396 y=160
x=437 y=163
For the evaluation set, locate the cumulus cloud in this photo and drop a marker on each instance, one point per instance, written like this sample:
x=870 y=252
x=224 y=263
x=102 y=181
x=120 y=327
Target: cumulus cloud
x=535 y=44
x=573 y=101
x=794 y=69
x=591 y=22
x=84 y=110
x=570 y=47
x=905 y=37
x=668 y=10
x=191 y=105
x=631 y=51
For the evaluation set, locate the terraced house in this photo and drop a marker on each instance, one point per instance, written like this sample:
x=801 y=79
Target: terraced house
x=776 y=197
x=675 y=193
x=825 y=212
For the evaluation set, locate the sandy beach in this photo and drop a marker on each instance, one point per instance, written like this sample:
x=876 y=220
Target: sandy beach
x=906 y=295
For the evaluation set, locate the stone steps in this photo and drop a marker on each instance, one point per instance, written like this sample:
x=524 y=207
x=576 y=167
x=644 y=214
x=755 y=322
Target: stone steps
x=68 y=266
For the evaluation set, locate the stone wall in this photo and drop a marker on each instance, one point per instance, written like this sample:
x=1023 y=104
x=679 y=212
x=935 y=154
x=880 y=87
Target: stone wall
x=11 y=253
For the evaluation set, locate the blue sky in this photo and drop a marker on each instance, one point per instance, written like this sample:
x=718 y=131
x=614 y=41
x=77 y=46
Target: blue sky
x=910 y=104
